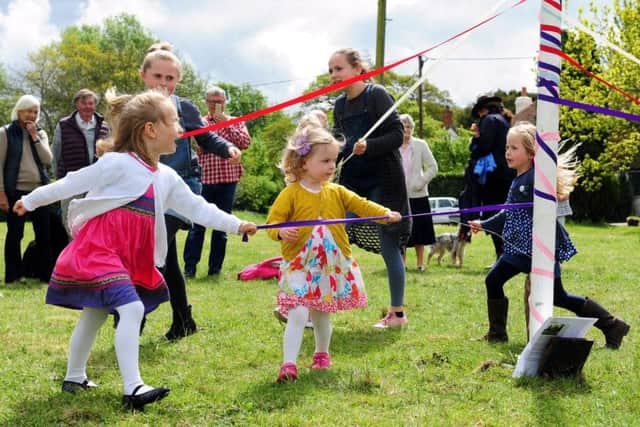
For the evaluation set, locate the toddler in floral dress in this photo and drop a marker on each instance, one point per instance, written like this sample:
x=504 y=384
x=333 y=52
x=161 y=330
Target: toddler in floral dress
x=319 y=275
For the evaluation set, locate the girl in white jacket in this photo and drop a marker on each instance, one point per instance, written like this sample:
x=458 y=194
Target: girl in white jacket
x=119 y=238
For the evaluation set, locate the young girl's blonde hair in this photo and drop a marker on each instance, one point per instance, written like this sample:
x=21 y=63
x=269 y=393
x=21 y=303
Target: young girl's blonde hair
x=309 y=134
x=566 y=175
x=161 y=51
x=115 y=104
x=147 y=107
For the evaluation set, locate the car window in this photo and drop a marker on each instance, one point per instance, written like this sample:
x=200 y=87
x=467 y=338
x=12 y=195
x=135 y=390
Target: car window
x=445 y=203
x=432 y=204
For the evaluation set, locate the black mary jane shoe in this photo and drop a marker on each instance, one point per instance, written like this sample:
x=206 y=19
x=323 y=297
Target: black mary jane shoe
x=135 y=401
x=72 y=386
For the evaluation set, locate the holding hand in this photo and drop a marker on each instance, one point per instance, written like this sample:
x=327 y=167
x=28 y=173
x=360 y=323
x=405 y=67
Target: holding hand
x=394 y=217
x=290 y=234
x=475 y=129
x=360 y=147
x=19 y=208
x=248 y=228
x=234 y=155
x=219 y=117
x=475 y=226
x=4 y=202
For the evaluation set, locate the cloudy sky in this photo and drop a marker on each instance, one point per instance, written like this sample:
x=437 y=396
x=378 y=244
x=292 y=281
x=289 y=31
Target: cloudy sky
x=280 y=46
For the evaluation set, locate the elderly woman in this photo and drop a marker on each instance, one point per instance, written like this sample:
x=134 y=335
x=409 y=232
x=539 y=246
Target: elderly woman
x=419 y=169
x=24 y=157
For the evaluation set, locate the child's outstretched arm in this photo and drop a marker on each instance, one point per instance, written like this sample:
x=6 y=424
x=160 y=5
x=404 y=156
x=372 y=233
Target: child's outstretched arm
x=74 y=183
x=248 y=228
x=197 y=209
x=280 y=212
x=19 y=208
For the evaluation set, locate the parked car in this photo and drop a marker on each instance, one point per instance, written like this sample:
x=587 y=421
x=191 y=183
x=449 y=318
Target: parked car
x=444 y=204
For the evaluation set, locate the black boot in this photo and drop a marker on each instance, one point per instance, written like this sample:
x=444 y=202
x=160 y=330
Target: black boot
x=613 y=328
x=183 y=325
x=497 y=309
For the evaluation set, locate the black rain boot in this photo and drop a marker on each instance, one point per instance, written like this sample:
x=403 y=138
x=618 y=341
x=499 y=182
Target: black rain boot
x=183 y=325
x=613 y=328
x=497 y=310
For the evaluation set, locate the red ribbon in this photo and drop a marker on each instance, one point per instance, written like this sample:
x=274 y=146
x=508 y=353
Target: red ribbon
x=340 y=85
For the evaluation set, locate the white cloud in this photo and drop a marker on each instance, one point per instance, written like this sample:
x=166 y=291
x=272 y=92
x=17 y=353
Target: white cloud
x=240 y=41
x=23 y=29
x=151 y=13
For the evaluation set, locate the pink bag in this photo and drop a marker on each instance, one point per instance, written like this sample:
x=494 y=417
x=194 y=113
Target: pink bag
x=266 y=269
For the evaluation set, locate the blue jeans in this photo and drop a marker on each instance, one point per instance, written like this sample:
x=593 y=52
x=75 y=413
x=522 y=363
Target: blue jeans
x=222 y=195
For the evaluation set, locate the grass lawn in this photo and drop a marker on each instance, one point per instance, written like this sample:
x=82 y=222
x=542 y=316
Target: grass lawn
x=427 y=374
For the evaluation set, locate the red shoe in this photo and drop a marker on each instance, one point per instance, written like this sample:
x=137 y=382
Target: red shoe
x=321 y=360
x=288 y=372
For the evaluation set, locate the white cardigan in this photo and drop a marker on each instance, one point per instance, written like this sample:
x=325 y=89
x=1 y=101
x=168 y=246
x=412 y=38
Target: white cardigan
x=119 y=178
x=423 y=169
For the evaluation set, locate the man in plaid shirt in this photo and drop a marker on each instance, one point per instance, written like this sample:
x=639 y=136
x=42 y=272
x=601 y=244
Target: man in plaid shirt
x=219 y=180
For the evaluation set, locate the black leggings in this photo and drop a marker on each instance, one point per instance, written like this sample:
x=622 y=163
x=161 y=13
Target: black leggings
x=172 y=273
x=502 y=271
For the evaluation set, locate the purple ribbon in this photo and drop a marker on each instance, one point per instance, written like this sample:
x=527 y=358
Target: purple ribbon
x=380 y=218
x=589 y=107
x=308 y=223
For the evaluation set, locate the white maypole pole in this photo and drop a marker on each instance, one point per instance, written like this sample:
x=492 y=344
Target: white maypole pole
x=544 y=202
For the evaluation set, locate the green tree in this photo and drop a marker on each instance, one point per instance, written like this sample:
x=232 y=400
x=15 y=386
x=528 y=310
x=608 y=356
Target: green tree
x=244 y=100
x=95 y=57
x=263 y=179
x=6 y=97
x=434 y=100
x=609 y=145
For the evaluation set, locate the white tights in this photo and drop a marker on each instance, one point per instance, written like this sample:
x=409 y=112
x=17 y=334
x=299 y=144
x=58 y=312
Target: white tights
x=294 y=331
x=126 y=344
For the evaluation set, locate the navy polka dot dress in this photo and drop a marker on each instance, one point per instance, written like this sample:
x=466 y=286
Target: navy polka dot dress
x=516 y=225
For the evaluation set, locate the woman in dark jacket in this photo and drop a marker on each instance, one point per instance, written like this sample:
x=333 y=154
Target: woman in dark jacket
x=487 y=177
x=24 y=158
x=374 y=170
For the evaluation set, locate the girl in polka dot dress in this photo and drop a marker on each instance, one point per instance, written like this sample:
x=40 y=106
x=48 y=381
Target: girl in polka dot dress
x=515 y=225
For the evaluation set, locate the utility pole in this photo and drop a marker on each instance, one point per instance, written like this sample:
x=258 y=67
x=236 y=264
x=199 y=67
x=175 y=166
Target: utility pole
x=380 y=36
x=420 y=117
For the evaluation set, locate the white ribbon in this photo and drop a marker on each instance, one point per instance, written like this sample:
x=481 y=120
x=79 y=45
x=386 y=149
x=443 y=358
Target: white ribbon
x=601 y=39
x=429 y=66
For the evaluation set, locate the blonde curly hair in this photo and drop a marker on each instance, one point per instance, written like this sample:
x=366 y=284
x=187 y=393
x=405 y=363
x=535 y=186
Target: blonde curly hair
x=115 y=105
x=301 y=144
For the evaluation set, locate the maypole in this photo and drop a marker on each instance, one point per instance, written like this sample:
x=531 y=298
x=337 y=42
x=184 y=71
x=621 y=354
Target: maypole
x=544 y=202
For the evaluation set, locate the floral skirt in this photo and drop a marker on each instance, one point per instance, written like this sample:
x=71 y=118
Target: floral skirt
x=321 y=278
